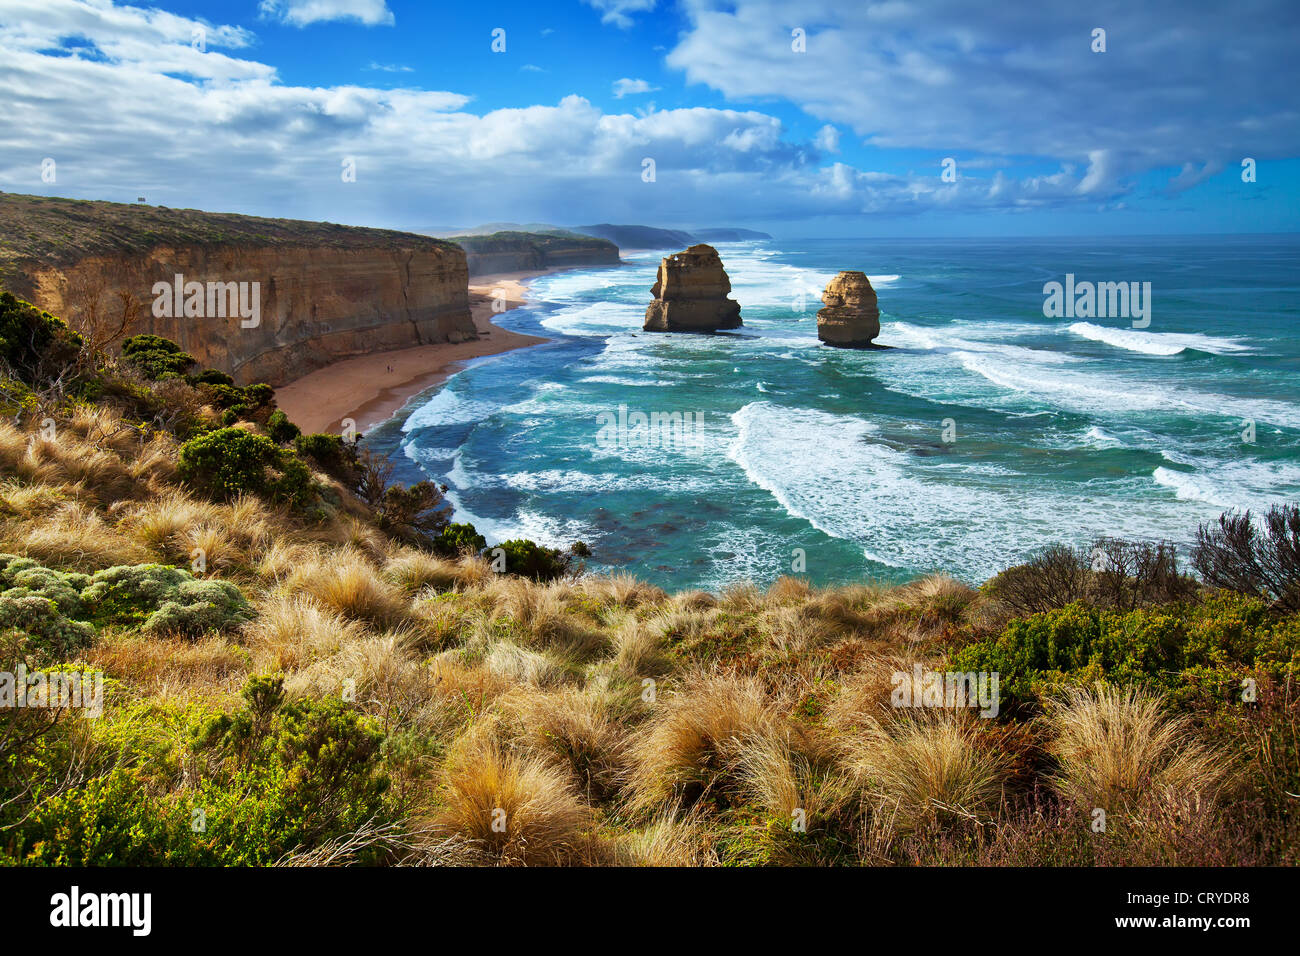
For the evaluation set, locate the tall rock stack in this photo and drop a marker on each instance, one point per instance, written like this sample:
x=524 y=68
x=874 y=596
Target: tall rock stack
x=691 y=294
x=850 y=319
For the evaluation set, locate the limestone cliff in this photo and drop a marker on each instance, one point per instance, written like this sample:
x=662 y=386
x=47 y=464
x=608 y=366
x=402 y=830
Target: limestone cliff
x=522 y=251
x=690 y=294
x=324 y=291
x=851 y=318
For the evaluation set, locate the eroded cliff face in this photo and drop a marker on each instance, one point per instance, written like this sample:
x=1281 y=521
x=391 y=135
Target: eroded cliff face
x=318 y=303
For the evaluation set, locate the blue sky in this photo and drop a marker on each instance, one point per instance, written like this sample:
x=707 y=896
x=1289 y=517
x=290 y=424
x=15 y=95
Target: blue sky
x=846 y=136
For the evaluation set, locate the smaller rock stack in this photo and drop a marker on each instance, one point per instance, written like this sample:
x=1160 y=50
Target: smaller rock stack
x=691 y=294
x=850 y=319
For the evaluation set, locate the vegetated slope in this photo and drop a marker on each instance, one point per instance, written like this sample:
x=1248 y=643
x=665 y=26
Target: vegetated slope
x=520 y=251
x=334 y=675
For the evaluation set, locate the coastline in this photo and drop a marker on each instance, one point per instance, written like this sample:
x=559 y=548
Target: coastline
x=370 y=389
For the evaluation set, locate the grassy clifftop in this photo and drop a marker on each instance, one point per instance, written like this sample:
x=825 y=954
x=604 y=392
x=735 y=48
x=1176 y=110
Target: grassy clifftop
x=56 y=231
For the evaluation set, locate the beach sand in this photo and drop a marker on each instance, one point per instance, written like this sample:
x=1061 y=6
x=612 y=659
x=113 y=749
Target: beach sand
x=370 y=389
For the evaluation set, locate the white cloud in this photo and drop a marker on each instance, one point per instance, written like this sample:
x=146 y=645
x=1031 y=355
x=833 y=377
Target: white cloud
x=1180 y=83
x=827 y=139
x=628 y=87
x=618 y=12
x=390 y=68
x=300 y=13
x=220 y=132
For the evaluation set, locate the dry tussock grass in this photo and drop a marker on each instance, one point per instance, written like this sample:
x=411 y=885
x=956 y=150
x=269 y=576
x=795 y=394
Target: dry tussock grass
x=917 y=768
x=578 y=729
x=164 y=668
x=292 y=631
x=694 y=738
x=1117 y=749
x=346 y=582
x=521 y=808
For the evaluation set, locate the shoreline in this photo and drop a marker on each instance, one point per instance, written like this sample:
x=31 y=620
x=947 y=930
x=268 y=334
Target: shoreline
x=371 y=389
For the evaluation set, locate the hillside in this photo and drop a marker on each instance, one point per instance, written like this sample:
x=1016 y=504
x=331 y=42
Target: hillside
x=638 y=237
x=323 y=291
x=519 y=251
x=309 y=661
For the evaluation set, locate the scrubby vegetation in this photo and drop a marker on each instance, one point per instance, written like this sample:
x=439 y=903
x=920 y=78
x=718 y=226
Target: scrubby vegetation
x=330 y=672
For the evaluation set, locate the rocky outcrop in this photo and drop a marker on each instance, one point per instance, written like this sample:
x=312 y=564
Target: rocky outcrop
x=525 y=251
x=691 y=294
x=324 y=292
x=850 y=319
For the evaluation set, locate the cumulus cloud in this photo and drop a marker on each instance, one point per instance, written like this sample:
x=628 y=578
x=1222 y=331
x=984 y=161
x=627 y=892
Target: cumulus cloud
x=1179 y=83
x=218 y=130
x=827 y=139
x=627 y=87
x=300 y=13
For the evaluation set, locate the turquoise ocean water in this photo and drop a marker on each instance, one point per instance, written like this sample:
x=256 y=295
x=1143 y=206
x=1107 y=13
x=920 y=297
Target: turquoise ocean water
x=987 y=432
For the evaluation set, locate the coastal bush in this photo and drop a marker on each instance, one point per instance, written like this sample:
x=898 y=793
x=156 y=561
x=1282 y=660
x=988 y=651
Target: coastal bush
x=37 y=631
x=281 y=430
x=164 y=600
x=33 y=343
x=1253 y=557
x=156 y=357
x=26 y=577
x=267 y=779
x=1112 y=572
x=334 y=456
x=1177 y=648
x=1053 y=578
x=258 y=395
x=457 y=539
x=531 y=560
x=210 y=376
x=231 y=461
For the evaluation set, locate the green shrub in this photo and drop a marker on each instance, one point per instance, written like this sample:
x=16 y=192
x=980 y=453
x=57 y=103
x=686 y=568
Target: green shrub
x=268 y=779
x=36 y=630
x=531 y=560
x=259 y=395
x=210 y=376
x=35 y=344
x=1175 y=647
x=281 y=430
x=164 y=600
x=334 y=456
x=156 y=357
x=26 y=577
x=225 y=396
x=231 y=461
x=457 y=539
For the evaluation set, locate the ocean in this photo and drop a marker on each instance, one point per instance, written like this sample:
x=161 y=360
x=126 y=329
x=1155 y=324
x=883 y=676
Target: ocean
x=986 y=432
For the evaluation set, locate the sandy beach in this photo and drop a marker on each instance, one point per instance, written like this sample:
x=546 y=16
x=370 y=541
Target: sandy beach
x=371 y=388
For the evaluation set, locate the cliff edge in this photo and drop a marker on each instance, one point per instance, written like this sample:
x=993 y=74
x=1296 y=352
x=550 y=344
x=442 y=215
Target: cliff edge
x=321 y=291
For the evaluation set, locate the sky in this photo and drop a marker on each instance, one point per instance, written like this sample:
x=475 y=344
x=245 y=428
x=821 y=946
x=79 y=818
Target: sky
x=815 y=118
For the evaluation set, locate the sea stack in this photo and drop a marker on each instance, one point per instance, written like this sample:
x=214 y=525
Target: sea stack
x=850 y=319
x=691 y=294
